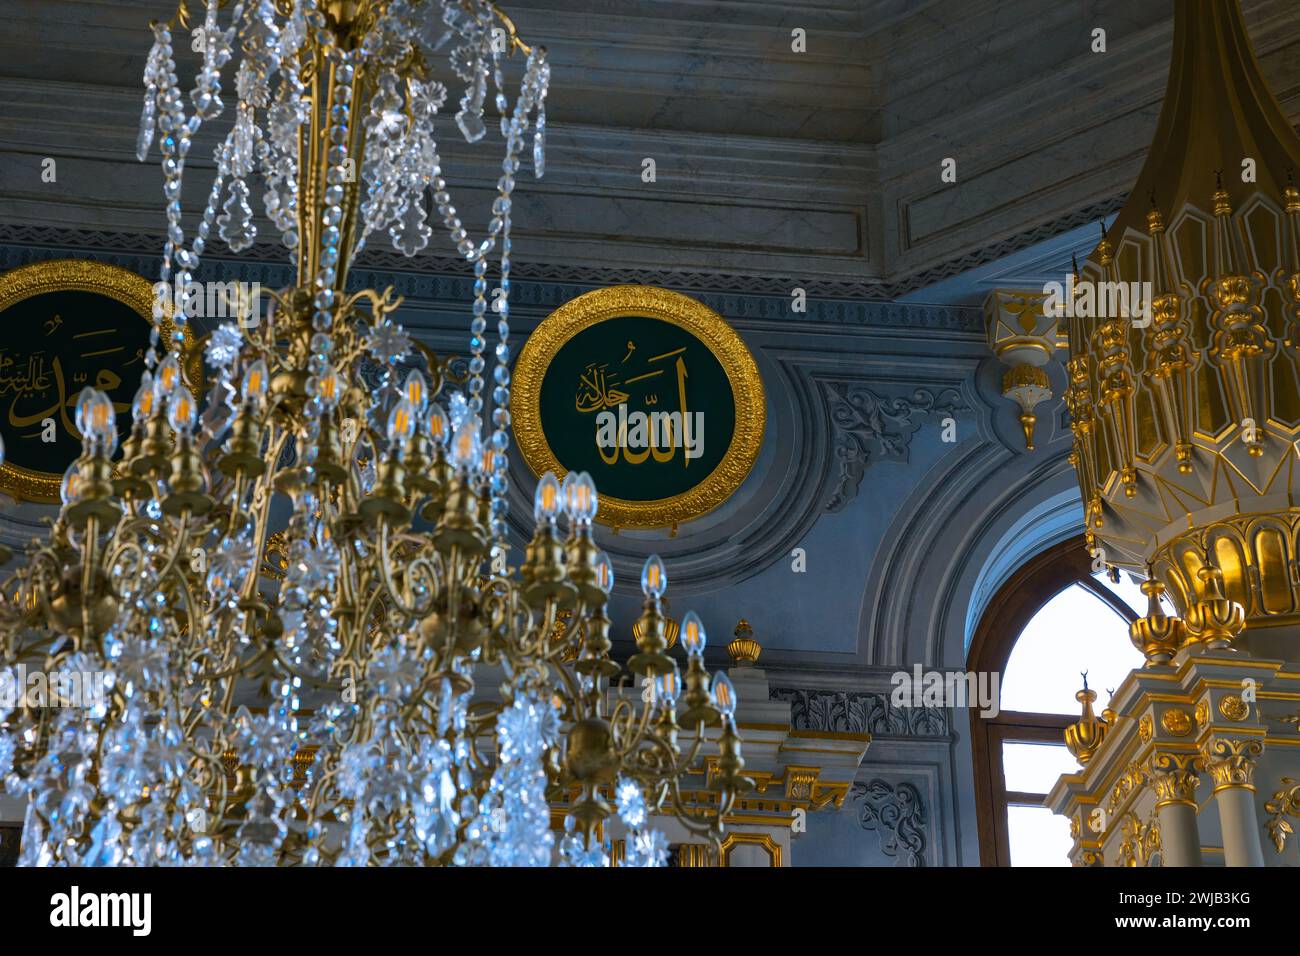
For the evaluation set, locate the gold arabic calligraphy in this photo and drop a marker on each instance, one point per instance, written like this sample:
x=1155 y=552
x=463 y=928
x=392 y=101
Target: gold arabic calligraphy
x=27 y=380
x=636 y=436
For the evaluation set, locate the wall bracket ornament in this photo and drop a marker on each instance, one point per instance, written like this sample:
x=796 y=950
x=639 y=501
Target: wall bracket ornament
x=1022 y=334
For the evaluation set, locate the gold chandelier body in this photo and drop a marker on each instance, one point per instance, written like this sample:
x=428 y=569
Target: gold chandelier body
x=1185 y=419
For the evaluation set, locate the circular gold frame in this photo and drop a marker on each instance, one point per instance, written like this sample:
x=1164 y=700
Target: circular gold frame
x=706 y=325
x=79 y=275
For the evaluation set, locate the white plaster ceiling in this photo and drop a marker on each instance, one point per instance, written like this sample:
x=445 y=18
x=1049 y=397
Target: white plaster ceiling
x=816 y=166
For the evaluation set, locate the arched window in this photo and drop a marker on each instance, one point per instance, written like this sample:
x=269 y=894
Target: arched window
x=1053 y=619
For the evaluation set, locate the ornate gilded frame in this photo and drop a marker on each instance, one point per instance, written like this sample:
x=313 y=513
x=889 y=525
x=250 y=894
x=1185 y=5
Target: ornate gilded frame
x=763 y=841
x=80 y=275
x=706 y=325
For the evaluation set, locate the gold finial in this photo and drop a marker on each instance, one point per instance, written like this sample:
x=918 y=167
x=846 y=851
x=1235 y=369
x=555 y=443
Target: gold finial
x=1214 y=620
x=1291 y=195
x=1107 y=714
x=1155 y=221
x=1104 y=248
x=1085 y=735
x=1156 y=635
x=1222 y=207
x=744 y=650
x=1027 y=420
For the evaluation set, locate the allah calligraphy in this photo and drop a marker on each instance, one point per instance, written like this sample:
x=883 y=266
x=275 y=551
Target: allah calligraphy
x=618 y=383
x=638 y=435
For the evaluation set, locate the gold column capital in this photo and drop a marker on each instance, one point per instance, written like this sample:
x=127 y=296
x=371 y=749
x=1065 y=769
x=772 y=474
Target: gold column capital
x=1174 y=777
x=1231 y=763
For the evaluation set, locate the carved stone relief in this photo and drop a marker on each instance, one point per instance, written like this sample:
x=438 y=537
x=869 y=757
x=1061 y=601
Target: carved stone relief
x=860 y=712
x=867 y=427
x=894 y=811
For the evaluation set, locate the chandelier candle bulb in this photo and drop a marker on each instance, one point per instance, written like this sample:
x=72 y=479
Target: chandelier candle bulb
x=96 y=420
x=605 y=573
x=654 y=579
x=255 y=383
x=467 y=447
x=724 y=695
x=580 y=497
x=417 y=391
x=693 y=636
x=438 y=427
x=546 y=500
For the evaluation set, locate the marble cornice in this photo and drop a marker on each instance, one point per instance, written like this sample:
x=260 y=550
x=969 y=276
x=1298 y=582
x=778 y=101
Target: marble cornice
x=540 y=286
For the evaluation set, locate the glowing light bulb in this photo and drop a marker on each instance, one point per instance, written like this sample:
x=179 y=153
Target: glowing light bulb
x=546 y=500
x=96 y=420
x=724 y=695
x=181 y=411
x=329 y=389
x=654 y=579
x=604 y=572
x=467 y=445
x=438 y=425
x=416 y=391
x=401 y=423
x=693 y=636
x=255 y=383
x=580 y=497
x=68 y=489
x=142 y=406
x=668 y=686
x=169 y=376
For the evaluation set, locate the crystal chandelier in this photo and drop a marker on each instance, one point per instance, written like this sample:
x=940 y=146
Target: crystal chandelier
x=400 y=695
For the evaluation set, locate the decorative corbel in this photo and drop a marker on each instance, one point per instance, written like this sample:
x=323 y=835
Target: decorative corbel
x=1024 y=338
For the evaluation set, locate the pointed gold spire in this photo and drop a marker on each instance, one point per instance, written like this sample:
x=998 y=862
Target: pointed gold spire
x=1217 y=111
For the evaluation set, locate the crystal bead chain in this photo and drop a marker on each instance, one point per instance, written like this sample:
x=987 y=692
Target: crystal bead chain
x=174 y=144
x=531 y=92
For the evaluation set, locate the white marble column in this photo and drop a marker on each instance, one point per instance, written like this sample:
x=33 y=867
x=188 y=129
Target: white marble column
x=1174 y=777
x=1231 y=764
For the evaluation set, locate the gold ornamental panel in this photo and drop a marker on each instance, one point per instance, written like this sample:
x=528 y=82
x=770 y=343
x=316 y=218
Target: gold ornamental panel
x=649 y=391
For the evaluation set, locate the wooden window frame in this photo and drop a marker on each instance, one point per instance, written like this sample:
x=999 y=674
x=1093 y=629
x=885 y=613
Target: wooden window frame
x=1029 y=588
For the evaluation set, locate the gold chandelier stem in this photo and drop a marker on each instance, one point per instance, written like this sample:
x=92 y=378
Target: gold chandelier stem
x=182 y=532
x=88 y=567
x=690 y=820
x=262 y=513
x=240 y=488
